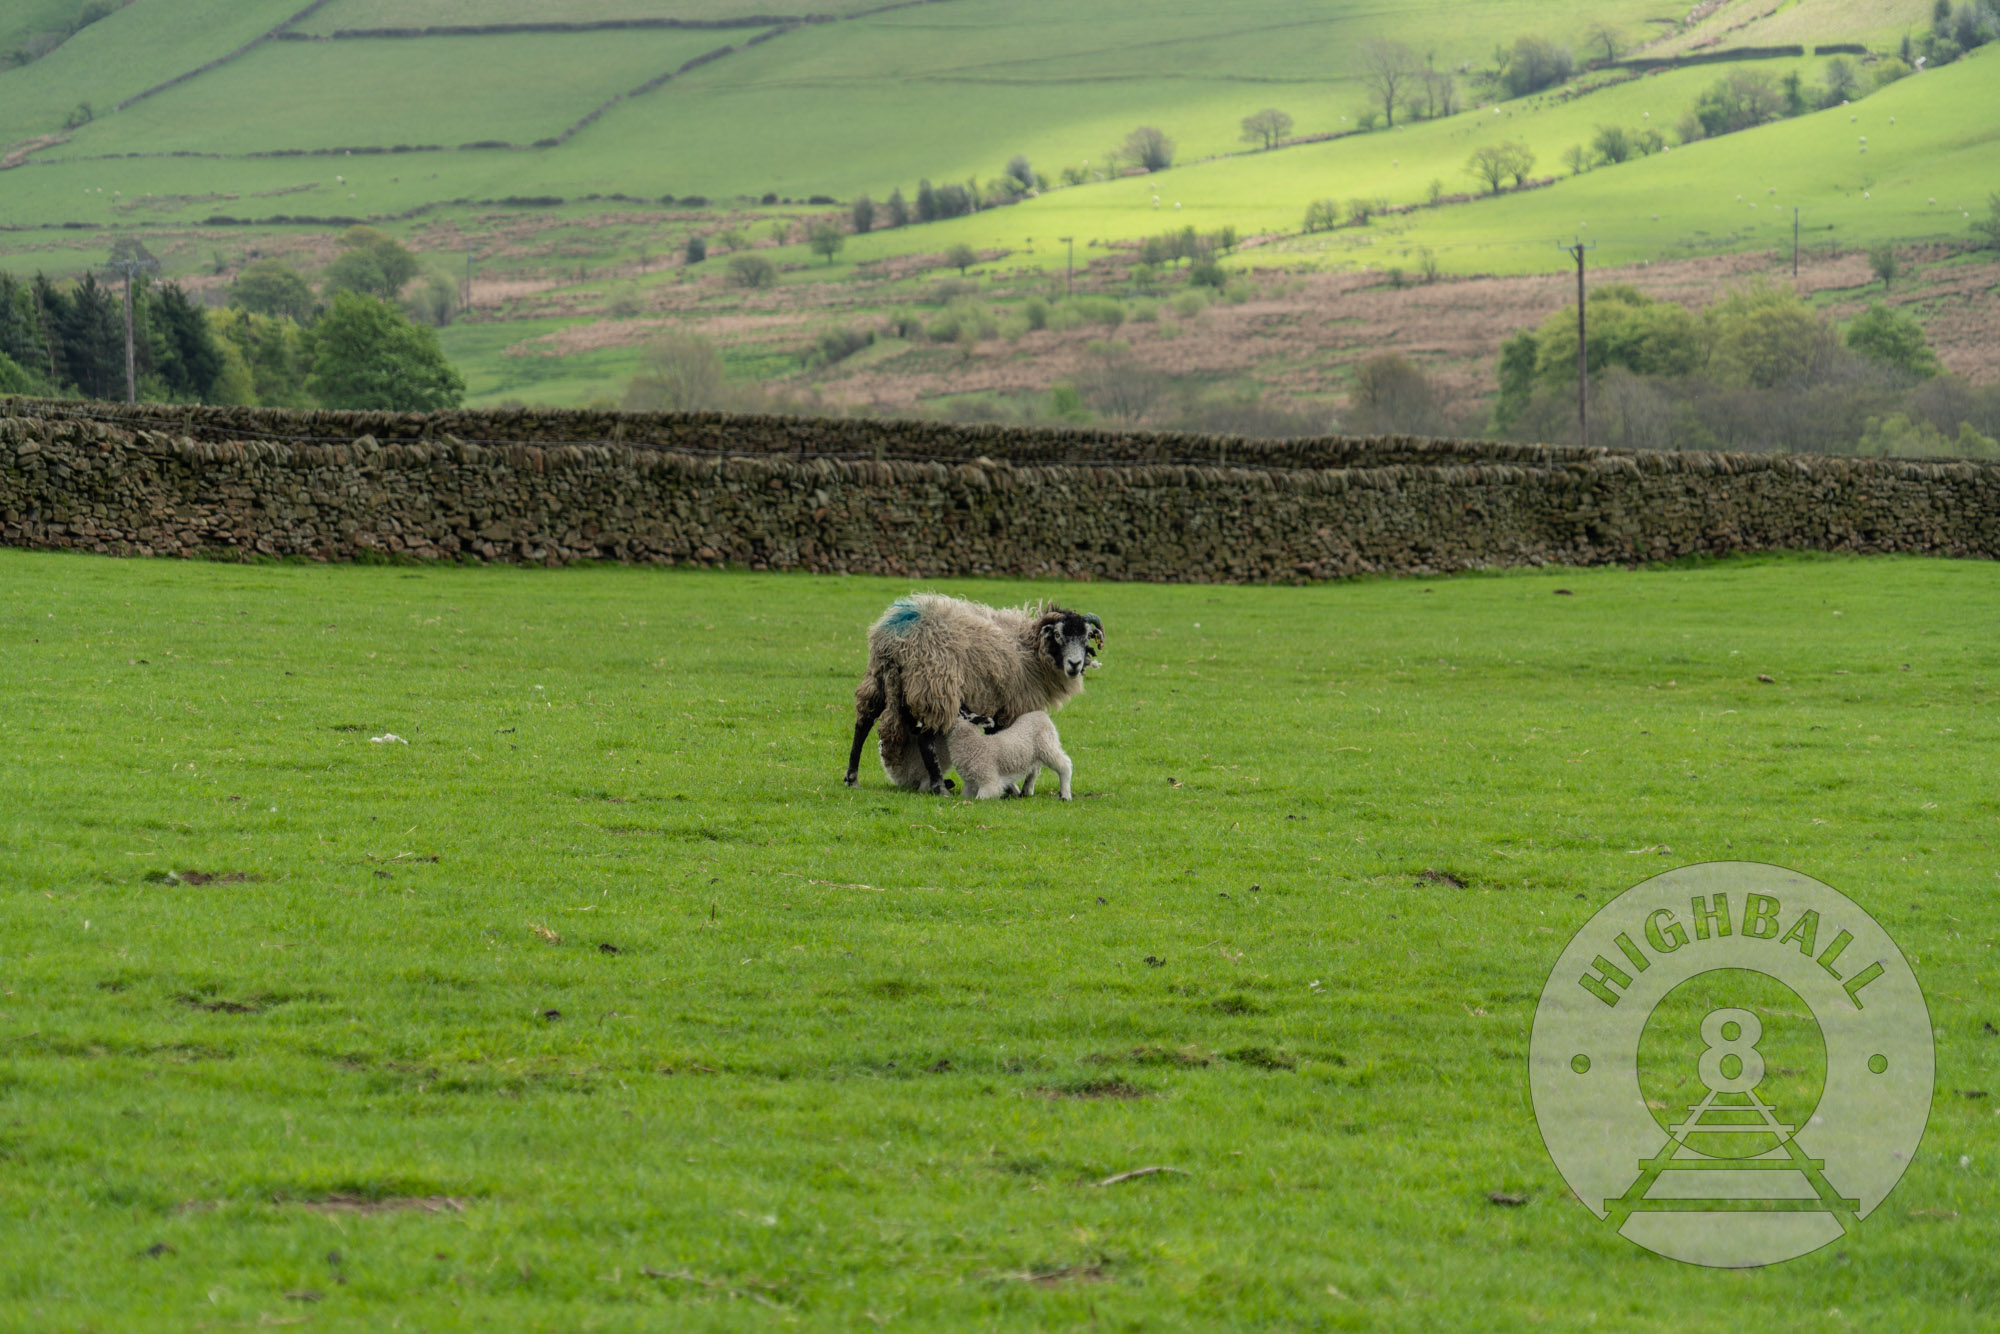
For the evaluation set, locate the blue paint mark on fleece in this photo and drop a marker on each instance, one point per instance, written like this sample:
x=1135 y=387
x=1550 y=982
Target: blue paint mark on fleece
x=902 y=616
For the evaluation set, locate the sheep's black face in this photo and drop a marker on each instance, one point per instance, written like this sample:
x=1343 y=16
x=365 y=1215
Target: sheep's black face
x=1068 y=640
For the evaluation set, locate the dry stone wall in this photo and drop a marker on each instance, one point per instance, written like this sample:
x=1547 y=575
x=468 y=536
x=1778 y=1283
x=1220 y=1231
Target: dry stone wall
x=922 y=500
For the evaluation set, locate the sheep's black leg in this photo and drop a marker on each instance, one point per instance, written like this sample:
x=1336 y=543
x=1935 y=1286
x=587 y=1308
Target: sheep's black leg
x=864 y=720
x=929 y=752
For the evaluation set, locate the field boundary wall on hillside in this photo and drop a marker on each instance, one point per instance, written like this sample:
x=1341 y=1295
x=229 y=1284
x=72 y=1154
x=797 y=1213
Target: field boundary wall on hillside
x=926 y=500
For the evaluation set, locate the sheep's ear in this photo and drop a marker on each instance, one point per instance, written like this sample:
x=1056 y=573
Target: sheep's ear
x=1052 y=633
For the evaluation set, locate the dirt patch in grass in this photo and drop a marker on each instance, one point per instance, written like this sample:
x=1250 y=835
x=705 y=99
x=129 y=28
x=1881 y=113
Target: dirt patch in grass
x=1093 y=1089
x=1189 y=1056
x=387 y=1204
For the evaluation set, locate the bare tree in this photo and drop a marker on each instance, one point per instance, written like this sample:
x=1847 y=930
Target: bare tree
x=1267 y=127
x=1489 y=164
x=1387 y=67
x=1604 y=35
x=1520 y=161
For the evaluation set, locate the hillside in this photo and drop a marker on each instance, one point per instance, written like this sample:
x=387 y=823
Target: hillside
x=940 y=89
x=557 y=160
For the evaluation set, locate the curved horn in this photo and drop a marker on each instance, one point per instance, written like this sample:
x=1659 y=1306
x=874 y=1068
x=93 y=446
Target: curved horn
x=1096 y=627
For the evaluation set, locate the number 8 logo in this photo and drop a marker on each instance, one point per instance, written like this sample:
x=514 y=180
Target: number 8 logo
x=1731 y=1062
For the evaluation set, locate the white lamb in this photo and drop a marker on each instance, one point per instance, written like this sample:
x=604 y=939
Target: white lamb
x=1005 y=763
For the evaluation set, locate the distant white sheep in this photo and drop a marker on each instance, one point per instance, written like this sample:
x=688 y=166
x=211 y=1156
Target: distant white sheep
x=1005 y=763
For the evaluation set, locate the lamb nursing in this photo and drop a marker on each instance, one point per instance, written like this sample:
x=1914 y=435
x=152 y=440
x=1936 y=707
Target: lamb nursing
x=1005 y=763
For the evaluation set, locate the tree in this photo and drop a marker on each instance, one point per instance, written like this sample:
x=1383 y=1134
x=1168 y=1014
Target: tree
x=953 y=201
x=1385 y=68
x=1489 y=164
x=270 y=348
x=367 y=356
x=21 y=338
x=183 y=359
x=1987 y=229
x=1520 y=160
x=1840 y=80
x=1359 y=211
x=961 y=257
x=1765 y=336
x=1605 y=36
x=1882 y=262
x=697 y=250
x=752 y=271
x=272 y=287
x=1392 y=395
x=1612 y=144
x=864 y=215
x=88 y=329
x=1119 y=386
x=927 y=202
x=826 y=239
x=1494 y=163
x=1322 y=215
x=1266 y=127
x=679 y=373
x=1740 y=100
x=1576 y=159
x=898 y=208
x=1149 y=148
x=1019 y=170
x=1893 y=338
x=1532 y=64
x=371 y=262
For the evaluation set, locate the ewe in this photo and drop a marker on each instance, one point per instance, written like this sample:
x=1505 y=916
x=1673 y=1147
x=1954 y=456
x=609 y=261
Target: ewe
x=930 y=656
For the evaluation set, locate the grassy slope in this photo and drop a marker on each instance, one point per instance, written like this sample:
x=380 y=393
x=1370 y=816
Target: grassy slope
x=440 y=91
x=741 y=1096
x=132 y=50
x=424 y=13
x=943 y=90
x=23 y=19
x=1806 y=23
x=1946 y=133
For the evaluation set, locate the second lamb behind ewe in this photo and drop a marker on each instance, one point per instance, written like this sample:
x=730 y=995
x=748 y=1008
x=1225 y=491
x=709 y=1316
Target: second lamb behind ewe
x=1005 y=763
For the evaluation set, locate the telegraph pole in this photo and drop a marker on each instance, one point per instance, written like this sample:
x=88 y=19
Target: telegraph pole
x=1069 y=278
x=131 y=258
x=1577 y=249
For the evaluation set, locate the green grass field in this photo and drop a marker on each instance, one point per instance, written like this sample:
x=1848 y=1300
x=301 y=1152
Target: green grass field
x=859 y=1056
x=442 y=91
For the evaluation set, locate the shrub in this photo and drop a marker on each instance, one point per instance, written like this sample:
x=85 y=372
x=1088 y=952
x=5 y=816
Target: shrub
x=1145 y=312
x=1207 y=273
x=697 y=250
x=1099 y=310
x=1190 y=304
x=1322 y=215
x=1149 y=148
x=1036 y=312
x=839 y=344
x=752 y=271
x=905 y=322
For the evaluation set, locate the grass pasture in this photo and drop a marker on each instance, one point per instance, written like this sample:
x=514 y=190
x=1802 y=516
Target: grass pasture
x=601 y=1004
x=442 y=91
